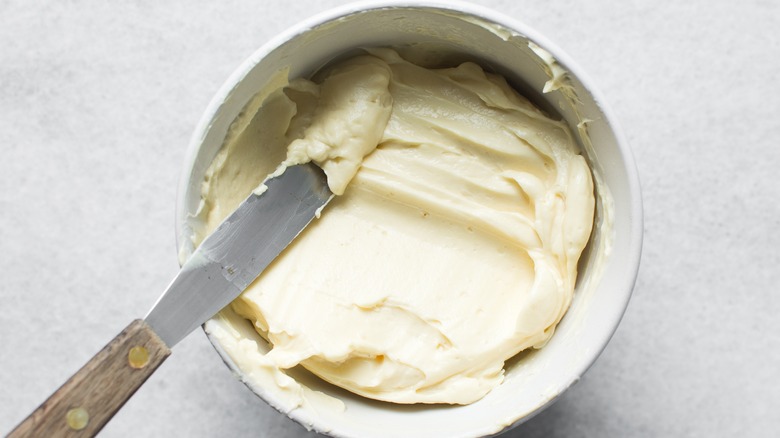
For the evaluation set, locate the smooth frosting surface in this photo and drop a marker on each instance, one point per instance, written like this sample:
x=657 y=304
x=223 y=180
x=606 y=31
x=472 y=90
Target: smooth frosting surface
x=452 y=246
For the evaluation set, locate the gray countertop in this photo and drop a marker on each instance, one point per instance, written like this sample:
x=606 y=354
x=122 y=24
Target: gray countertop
x=97 y=103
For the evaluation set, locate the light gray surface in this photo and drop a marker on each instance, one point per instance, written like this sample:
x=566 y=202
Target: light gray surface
x=97 y=103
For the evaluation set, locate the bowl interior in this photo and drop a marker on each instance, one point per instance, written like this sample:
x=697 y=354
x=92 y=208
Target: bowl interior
x=437 y=35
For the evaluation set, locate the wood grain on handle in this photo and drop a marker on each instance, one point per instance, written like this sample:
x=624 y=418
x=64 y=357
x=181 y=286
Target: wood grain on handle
x=97 y=391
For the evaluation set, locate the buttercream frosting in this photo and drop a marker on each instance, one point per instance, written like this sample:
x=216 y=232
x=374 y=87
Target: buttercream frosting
x=452 y=245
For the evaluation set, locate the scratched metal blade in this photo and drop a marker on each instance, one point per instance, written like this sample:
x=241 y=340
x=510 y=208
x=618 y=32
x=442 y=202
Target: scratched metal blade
x=238 y=251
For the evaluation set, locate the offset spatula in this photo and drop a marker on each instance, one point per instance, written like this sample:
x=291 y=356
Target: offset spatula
x=219 y=270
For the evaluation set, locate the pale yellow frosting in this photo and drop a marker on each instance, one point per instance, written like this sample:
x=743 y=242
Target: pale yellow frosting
x=453 y=245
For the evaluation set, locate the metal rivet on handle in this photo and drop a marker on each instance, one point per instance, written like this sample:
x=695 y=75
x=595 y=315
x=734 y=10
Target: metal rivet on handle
x=77 y=418
x=138 y=357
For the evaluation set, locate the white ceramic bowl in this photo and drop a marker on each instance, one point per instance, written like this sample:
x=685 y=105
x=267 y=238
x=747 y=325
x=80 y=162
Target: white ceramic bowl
x=500 y=44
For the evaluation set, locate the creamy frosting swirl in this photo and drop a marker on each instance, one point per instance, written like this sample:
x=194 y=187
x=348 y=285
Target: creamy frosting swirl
x=452 y=246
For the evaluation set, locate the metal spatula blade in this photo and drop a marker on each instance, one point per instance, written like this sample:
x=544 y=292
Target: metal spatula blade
x=219 y=270
x=239 y=250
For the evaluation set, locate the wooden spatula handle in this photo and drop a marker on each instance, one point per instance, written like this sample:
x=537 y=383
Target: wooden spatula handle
x=85 y=403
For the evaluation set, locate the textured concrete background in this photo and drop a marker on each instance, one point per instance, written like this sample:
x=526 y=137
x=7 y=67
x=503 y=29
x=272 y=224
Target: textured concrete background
x=97 y=103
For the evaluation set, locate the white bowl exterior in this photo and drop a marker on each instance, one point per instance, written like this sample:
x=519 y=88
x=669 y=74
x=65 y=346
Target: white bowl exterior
x=530 y=384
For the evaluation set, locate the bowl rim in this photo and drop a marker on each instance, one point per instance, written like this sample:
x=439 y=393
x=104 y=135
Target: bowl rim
x=636 y=221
